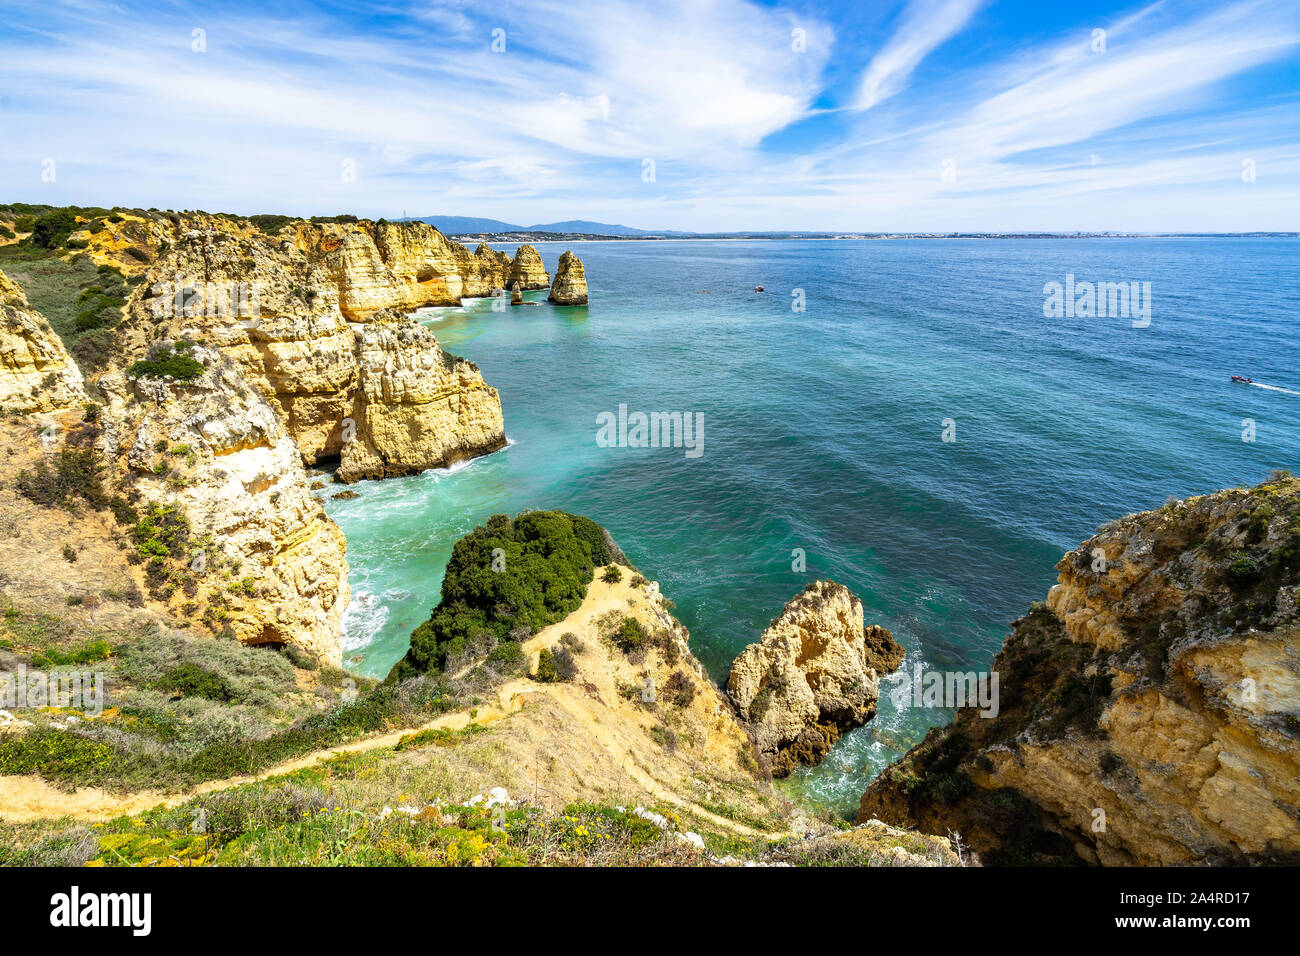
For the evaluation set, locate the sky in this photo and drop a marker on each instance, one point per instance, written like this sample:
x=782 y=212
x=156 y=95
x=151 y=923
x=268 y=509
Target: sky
x=702 y=115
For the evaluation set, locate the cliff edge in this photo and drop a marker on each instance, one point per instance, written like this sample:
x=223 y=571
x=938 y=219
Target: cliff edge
x=1150 y=710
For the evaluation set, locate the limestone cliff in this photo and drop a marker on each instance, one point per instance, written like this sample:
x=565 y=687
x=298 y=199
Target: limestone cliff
x=1149 y=713
x=415 y=406
x=36 y=373
x=570 y=286
x=813 y=675
x=239 y=539
x=406 y=265
x=380 y=395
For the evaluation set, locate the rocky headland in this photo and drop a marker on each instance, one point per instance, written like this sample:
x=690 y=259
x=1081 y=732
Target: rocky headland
x=814 y=674
x=1150 y=709
x=243 y=354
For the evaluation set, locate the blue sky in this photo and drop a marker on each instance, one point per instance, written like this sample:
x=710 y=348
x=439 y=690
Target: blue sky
x=913 y=115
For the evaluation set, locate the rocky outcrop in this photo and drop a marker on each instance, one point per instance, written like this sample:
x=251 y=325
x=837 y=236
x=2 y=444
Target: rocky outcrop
x=527 y=270
x=484 y=272
x=239 y=540
x=1149 y=712
x=570 y=286
x=381 y=395
x=36 y=373
x=416 y=406
x=404 y=266
x=813 y=675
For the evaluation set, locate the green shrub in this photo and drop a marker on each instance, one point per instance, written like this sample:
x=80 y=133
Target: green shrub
x=96 y=308
x=167 y=362
x=162 y=531
x=507 y=658
x=566 y=668
x=612 y=575
x=55 y=754
x=546 y=670
x=52 y=229
x=190 y=680
x=75 y=478
x=1242 y=570
x=678 y=689
x=630 y=635
x=544 y=561
x=87 y=653
x=270 y=224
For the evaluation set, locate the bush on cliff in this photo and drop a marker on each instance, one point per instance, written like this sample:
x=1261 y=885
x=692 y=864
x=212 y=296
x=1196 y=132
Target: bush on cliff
x=77 y=477
x=52 y=230
x=167 y=362
x=506 y=575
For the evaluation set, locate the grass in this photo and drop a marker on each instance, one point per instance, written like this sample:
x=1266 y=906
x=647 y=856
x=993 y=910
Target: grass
x=183 y=709
x=81 y=301
x=350 y=811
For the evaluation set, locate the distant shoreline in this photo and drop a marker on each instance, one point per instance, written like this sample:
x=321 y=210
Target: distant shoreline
x=539 y=239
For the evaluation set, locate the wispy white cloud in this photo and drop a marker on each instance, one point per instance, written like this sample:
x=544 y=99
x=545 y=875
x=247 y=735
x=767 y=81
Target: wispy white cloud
x=714 y=91
x=925 y=25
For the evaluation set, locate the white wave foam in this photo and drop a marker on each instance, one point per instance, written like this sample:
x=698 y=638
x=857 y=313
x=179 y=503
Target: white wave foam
x=1274 y=388
x=364 y=618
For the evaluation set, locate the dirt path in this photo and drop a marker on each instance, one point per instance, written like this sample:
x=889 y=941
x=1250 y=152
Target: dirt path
x=27 y=798
x=30 y=797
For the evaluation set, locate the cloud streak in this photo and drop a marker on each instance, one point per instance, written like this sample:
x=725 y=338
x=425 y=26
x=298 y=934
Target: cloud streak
x=748 y=129
x=925 y=25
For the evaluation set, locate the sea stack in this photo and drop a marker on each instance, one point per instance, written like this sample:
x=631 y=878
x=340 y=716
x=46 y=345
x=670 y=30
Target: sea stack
x=570 y=286
x=813 y=675
x=516 y=295
x=527 y=270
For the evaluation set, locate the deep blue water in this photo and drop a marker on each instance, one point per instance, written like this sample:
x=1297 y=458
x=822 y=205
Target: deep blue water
x=822 y=431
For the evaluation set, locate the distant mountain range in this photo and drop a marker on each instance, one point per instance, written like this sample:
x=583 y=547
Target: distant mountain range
x=471 y=225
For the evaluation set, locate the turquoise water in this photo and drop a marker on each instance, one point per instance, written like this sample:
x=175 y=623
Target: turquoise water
x=822 y=432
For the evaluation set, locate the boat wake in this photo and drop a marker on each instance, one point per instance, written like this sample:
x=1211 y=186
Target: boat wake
x=1274 y=388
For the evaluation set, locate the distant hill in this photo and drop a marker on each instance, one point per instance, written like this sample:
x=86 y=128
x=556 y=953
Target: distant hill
x=461 y=225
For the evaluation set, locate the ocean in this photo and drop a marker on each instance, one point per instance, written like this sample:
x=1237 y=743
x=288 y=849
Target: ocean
x=897 y=415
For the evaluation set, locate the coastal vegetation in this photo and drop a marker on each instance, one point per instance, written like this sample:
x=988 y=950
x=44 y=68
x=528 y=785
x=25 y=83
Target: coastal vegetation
x=505 y=581
x=174 y=362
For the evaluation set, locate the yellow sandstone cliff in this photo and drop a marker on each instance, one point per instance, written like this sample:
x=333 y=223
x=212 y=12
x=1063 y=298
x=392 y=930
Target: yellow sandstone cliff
x=260 y=556
x=570 y=286
x=1150 y=712
x=813 y=674
x=36 y=372
x=380 y=395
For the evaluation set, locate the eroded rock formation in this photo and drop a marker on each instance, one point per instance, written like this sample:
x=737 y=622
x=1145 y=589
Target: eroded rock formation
x=527 y=269
x=381 y=395
x=1149 y=713
x=813 y=675
x=211 y=468
x=415 y=406
x=570 y=286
